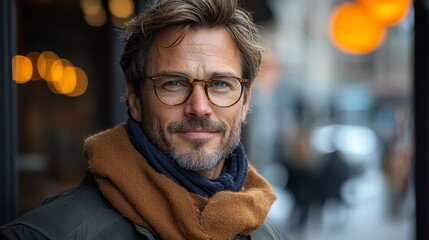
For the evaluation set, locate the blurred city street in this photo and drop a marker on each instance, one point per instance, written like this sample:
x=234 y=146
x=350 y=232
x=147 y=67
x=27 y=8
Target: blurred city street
x=371 y=219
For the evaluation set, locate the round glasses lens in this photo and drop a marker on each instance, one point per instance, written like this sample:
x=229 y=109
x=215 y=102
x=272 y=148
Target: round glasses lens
x=171 y=89
x=224 y=91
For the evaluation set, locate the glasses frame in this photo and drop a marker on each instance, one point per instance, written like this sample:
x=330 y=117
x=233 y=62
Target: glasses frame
x=192 y=81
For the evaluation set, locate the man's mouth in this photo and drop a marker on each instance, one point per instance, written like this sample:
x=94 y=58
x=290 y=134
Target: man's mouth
x=197 y=133
x=197 y=126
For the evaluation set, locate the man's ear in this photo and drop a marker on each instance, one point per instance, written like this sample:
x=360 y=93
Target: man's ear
x=246 y=104
x=133 y=102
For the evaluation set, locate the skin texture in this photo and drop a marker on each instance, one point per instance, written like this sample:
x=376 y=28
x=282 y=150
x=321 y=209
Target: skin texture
x=197 y=134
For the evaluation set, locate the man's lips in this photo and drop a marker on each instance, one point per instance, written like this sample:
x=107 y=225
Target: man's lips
x=197 y=133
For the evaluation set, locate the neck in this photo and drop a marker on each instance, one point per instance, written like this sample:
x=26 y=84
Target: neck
x=214 y=172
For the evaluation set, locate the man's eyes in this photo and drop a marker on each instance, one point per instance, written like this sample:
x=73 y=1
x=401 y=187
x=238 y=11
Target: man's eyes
x=175 y=83
x=225 y=83
x=220 y=84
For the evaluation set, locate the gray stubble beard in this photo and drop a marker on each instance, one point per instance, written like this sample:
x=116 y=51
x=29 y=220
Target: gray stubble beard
x=197 y=160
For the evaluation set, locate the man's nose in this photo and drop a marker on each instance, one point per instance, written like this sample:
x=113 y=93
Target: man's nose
x=198 y=105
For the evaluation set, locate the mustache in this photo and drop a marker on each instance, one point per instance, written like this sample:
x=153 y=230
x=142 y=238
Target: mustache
x=197 y=123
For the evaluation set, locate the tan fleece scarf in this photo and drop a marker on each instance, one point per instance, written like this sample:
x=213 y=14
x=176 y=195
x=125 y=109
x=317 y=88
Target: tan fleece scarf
x=152 y=200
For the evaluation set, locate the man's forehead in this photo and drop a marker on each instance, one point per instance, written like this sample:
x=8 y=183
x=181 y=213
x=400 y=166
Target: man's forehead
x=175 y=36
x=196 y=43
x=200 y=53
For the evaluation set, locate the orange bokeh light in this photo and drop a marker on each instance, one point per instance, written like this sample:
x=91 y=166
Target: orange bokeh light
x=94 y=13
x=61 y=76
x=22 y=69
x=389 y=12
x=81 y=83
x=56 y=71
x=44 y=64
x=121 y=8
x=354 y=31
x=34 y=56
x=68 y=81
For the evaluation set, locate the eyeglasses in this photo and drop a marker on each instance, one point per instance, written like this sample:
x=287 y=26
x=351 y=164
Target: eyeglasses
x=173 y=90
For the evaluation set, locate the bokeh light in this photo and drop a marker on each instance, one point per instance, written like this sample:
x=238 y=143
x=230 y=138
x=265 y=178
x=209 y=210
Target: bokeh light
x=354 y=30
x=96 y=20
x=121 y=8
x=389 y=12
x=67 y=83
x=90 y=7
x=81 y=83
x=56 y=71
x=44 y=63
x=118 y=22
x=22 y=69
x=94 y=13
x=34 y=57
x=61 y=76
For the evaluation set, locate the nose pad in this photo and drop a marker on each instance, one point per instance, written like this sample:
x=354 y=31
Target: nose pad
x=198 y=104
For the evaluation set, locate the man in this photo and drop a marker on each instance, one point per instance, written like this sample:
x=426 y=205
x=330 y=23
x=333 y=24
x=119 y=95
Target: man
x=176 y=169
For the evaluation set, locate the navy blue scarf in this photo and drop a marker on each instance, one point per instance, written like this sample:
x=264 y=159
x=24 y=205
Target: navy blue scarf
x=232 y=176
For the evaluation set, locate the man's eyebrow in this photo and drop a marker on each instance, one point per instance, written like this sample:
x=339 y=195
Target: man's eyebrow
x=210 y=75
x=172 y=72
x=226 y=73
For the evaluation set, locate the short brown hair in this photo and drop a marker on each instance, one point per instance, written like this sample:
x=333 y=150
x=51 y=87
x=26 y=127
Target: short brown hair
x=141 y=30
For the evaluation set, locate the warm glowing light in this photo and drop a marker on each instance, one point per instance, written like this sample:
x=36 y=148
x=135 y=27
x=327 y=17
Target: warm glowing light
x=44 y=63
x=22 y=69
x=121 y=8
x=81 y=83
x=97 y=19
x=67 y=83
x=389 y=12
x=118 y=22
x=354 y=31
x=56 y=71
x=34 y=57
x=63 y=76
x=94 y=13
x=90 y=7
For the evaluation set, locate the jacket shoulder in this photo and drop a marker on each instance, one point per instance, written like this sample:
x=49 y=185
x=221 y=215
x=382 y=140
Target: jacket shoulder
x=268 y=231
x=80 y=213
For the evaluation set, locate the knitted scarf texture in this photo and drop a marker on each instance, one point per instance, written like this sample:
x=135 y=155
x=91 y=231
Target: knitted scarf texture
x=166 y=207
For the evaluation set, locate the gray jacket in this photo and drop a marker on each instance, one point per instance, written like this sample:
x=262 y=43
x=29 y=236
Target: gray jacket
x=83 y=213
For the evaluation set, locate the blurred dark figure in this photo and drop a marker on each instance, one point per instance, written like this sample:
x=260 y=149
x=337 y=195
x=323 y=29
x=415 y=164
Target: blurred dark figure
x=313 y=179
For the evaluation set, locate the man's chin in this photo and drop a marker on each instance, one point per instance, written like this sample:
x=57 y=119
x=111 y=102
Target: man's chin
x=187 y=145
x=198 y=144
x=196 y=160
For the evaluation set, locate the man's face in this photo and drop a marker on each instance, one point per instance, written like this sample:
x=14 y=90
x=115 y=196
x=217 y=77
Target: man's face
x=197 y=134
